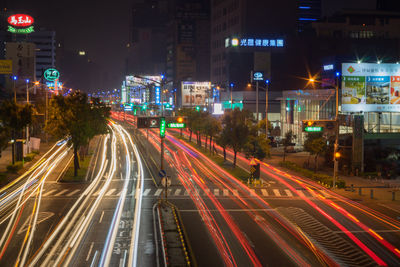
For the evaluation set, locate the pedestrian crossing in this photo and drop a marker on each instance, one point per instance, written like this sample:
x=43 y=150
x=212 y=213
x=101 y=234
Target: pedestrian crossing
x=181 y=192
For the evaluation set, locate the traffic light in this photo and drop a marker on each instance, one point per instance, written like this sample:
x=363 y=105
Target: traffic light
x=337 y=155
x=163 y=126
x=197 y=108
x=180 y=119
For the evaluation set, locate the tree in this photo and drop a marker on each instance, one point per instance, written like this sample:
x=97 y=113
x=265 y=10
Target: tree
x=222 y=139
x=14 y=118
x=235 y=122
x=75 y=117
x=212 y=126
x=287 y=141
x=257 y=145
x=315 y=144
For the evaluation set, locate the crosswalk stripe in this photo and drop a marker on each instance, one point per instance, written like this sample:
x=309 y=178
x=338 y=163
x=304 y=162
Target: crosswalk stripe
x=146 y=192
x=276 y=192
x=97 y=193
x=60 y=193
x=158 y=192
x=264 y=192
x=216 y=192
x=253 y=191
x=110 y=192
x=49 y=193
x=119 y=193
x=73 y=192
x=235 y=192
x=207 y=191
x=301 y=193
x=313 y=193
x=177 y=192
x=186 y=193
x=288 y=193
x=225 y=192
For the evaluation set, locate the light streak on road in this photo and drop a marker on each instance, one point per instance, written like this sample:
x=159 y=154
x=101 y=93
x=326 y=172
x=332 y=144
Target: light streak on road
x=69 y=218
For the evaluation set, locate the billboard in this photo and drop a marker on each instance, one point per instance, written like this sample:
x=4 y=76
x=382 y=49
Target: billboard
x=370 y=87
x=5 y=66
x=22 y=56
x=195 y=93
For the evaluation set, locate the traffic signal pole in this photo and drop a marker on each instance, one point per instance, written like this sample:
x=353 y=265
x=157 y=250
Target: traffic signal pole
x=336 y=146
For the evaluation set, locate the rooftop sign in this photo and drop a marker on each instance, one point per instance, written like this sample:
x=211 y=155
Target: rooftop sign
x=254 y=42
x=20 y=24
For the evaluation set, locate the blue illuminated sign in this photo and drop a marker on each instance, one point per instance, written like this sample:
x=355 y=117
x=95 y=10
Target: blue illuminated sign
x=251 y=42
x=258 y=76
x=158 y=95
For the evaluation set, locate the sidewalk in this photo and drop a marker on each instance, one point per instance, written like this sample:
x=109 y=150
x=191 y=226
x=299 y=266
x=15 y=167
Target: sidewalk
x=6 y=156
x=382 y=189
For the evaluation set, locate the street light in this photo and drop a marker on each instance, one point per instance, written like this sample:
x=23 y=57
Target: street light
x=336 y=145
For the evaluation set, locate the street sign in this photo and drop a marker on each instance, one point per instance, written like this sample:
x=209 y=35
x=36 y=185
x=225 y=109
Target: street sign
x=51 y=75
x=313 y=129
x=258 y=76
x=176 y=125
x=253 y=162
x=153 y=122
x=166 y=181
x=162 y=173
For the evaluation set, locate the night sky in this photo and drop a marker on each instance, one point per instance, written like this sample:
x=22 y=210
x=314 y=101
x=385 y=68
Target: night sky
x=101 y=28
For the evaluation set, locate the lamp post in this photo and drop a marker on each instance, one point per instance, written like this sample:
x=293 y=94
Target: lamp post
x=266 y=107
x=15 y=89
x=336 y=145
x=27 y=126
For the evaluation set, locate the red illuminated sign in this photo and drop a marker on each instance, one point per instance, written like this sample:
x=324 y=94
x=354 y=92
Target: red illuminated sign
x=20 y=20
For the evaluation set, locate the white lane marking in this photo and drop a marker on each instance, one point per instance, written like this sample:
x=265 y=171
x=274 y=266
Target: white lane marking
x=119 y=193
x=90 y=251
x=276 y=192
x=186 y=193
x=97 y=193
x=177 y=192
x=49 y=193
x=216 y=192
x=146 y=192
x=73 y=192
x=301 y=193
x=121 y=175
x=62 y=192
x=253 y=191
x=235 y=192
x=288 y=193
x=158 y=192
x=225 y=192
x=264 y=192
x=94 y=259
x=110 y=192
x=101 y=216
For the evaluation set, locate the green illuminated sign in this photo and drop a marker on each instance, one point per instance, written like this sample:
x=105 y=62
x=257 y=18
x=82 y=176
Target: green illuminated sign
x=176 y=125
x=51 y=74
x=20 y=30
x=313 y=129
x=162 y=127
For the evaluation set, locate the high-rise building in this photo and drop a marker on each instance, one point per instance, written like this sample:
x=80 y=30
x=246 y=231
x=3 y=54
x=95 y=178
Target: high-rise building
x=257 y=22
x=188 y=42
x=45 y=42
x=308 y=11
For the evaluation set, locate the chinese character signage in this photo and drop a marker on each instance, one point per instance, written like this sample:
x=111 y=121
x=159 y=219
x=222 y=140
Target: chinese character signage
x=370 y=87
x=51 y=75
x=20 y=23
x=5 y=66
x=256 y=42
x=195 y=93
x=158 y=95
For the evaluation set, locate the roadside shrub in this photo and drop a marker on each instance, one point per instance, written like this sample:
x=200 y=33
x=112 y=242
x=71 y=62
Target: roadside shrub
x=319 y=177
x=29 y=157
x=15 y=167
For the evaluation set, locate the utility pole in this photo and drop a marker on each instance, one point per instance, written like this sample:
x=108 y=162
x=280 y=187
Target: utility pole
x=27 y=126
x=47 y=113
x=257 y=100
x=336 y=146
x=266 y=109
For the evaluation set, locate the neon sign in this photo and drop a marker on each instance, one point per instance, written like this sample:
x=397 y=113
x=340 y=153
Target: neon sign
x=20 y=24
x=51 y=74
x=20 y=20
x=257 y=42
x=21 y=31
